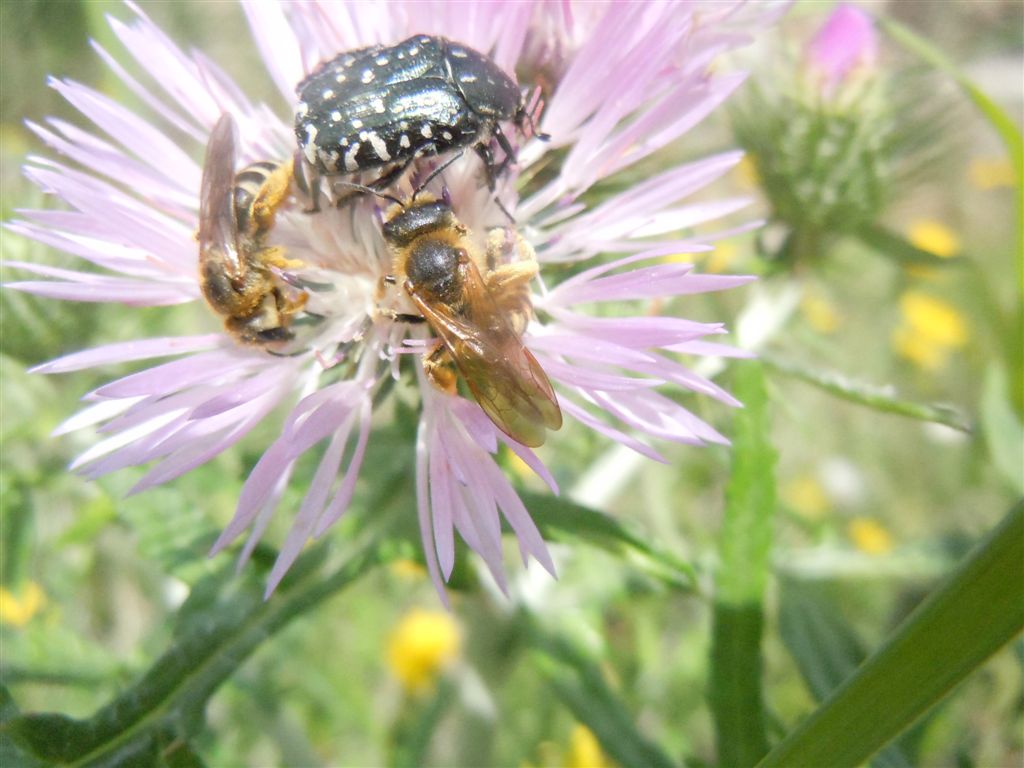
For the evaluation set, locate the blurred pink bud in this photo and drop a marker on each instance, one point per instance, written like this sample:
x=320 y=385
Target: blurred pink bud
x=845 y=42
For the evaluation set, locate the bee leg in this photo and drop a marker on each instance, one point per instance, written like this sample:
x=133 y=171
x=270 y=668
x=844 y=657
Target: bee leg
x=511 y=262
x=274 y=257
x=439 y=368
x=271 y=196
x=290 y=306
x=402 y=317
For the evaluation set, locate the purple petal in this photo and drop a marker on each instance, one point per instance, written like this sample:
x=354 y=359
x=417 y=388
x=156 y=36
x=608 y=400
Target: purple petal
x=423 y=507
x=846 y=41
x=122 y=352
x=581 y=415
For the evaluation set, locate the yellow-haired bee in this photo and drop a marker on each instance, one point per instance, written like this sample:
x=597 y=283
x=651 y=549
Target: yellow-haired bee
x=479 y=309
x=236 y=213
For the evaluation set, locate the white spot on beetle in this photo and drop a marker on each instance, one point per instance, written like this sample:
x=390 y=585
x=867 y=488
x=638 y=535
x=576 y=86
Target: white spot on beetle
x=302 y=109
x=379 y=147
x=367 y=76
x=403 y=141
x=341 y=77
x=401 y=55
x=446 y=136
x=459 y=53
x=427 y=133
x=344 y=141
x=404 y=126
x=382 y=60
x=378 y=106
x=336 y=116
x=424 y=39
x=357 y=123
x=414 y=50
x=350 y=158
x=468 y=79
x=328 y=94
x=310 y=133
x=364 y=135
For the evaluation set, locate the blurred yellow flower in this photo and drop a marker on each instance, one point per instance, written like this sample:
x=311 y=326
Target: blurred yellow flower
x=805 y=496
x=869 y=536
x=935 y=237
x=407 y=570
x=18 y=609
x=930 y=330
x=722 y=257
x=746 y=173
x=420 y=648
x=820 y=313
x=991 y=173
x=584 y=750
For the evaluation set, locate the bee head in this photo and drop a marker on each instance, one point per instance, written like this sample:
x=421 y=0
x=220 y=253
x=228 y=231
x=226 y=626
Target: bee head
x=409 y=224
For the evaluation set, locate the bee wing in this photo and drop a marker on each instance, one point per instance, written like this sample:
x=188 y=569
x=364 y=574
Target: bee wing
x=504 y=377
x=218 y=224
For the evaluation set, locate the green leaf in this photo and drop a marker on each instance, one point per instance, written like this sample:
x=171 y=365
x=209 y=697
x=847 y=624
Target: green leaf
x=825 y=647
x=878 y=398
x=563 y=520
x=734 y=688
x=897 y=248
x=151 y=722
x=11 y=755
x=416 y=725
x=578 y=682
x=1003 y=431
x=978 y=609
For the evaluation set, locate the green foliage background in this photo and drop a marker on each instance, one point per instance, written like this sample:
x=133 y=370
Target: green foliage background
x=700 y=623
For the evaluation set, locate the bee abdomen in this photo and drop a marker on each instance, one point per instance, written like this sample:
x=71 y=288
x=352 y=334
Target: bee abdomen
x=248 y=183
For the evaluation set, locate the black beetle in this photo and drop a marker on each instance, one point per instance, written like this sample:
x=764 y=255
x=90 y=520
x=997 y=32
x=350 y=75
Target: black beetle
x=388 y=105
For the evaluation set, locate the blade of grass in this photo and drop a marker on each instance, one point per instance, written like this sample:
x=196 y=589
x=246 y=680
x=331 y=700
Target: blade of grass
x=578 y=682
x=745 y=546
x=978 y=609
x=563 y=520
x=878 y=398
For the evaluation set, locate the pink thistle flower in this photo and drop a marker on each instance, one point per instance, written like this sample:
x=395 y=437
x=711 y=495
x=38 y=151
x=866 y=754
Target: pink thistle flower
x=625 y=82
x=846 y=42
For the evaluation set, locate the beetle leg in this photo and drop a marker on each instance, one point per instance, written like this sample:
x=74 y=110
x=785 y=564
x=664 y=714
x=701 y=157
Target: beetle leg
x=313 y=186
x=435 y=173
x=484 y=151
x=507 y=148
